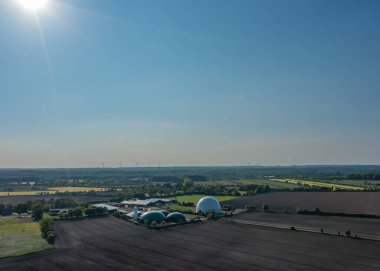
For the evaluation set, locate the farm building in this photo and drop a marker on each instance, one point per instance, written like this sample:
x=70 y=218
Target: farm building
x=148 y=202
x=207 y=205
x=109 y=208
x=55 y=212
x=131 y=214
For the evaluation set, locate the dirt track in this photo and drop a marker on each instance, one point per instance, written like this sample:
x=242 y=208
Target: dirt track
x=346 y=202
x=113 y=244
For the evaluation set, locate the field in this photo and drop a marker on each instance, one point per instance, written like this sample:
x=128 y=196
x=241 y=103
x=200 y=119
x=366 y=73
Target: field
x=77 y=189
x=20 y=238
x=21 y=199
x=113 y=244
x=194 y=199
x=346 y=202
x=319 y=184
x=52 y=190
x=365 y=227
x=25 y=193
x=272 y=184
x=368 y=183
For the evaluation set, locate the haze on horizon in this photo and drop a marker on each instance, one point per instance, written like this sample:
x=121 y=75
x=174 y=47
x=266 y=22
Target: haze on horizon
x=189 y=83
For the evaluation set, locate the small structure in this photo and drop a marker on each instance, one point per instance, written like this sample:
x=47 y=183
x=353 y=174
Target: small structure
x=208 y=205
x=176 y=217
x=55 y=212
x=135 y=213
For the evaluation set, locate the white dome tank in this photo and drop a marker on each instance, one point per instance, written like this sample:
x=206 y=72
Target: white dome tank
x=208 y=204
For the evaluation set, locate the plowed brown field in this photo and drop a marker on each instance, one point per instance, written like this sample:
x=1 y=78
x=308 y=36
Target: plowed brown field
x=346 y=202
x=113 y=244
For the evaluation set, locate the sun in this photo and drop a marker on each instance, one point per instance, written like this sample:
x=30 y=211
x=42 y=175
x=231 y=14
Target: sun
x=34 y=4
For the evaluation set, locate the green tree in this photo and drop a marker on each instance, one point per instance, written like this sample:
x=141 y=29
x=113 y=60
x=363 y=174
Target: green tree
x=50 y=238
x=265 y=207
x=187 y=184
x=250 y=208
x=37 y=211
x=100 y=210
x=90 y=211
x=78 y=212
x=47 y=229
x=20 y=208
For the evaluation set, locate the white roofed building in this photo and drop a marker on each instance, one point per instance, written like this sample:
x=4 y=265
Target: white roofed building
x=148 y=202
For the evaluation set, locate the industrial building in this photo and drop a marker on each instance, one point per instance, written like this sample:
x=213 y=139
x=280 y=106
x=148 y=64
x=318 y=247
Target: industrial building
x=152 y=202
x=109 y=208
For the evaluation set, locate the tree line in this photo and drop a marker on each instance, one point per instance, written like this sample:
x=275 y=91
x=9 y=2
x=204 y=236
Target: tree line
x=39 y=206
x=364 y=176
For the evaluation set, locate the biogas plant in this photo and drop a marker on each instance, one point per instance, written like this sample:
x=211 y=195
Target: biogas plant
x=157 y=216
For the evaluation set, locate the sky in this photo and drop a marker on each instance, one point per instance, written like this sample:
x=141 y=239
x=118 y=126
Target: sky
x=200 y=82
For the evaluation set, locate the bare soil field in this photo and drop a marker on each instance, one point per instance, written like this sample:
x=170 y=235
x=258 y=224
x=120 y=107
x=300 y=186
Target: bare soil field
x=365 y=227
x=113 y=244
x=21 y=199
x=346 y=202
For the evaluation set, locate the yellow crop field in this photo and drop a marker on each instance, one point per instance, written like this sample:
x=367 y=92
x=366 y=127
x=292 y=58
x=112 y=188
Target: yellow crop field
x=319 y=184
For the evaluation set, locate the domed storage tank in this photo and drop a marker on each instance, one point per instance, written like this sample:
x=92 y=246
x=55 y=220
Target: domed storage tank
x=164 y=212
x=208 y=204
x=152 y=216
x=176 y=217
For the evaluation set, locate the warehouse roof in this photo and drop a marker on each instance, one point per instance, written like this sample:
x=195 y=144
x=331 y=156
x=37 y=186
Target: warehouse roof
x=108 y=207
x=147 y=202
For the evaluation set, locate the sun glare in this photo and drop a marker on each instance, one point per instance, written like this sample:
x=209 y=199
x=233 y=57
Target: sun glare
x=33 y=4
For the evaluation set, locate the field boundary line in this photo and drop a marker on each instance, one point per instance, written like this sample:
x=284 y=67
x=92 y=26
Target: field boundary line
x=292 y=228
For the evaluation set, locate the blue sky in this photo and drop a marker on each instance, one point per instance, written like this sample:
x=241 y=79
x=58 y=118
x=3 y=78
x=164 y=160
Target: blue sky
x=189 y=83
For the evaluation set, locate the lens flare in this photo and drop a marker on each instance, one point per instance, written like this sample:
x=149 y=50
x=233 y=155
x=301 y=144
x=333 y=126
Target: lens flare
x=33 y=4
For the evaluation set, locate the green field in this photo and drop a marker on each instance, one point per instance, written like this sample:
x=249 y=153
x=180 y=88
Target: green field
x=319 y=184
x=194 y=199
x=272 y=184
x=20 y=238
x=53 y=190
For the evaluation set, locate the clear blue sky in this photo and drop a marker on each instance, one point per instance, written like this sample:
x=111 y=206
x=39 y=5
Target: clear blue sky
x=206 y=82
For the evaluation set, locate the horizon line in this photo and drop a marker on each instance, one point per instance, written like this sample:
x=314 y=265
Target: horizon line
x=192 y=166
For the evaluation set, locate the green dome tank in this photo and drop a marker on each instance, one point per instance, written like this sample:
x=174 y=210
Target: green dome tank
x=152 y=216
x=176 y=217
x=165 y=212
